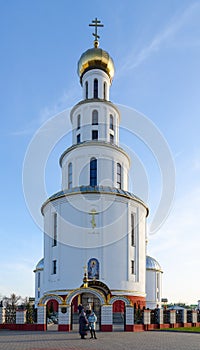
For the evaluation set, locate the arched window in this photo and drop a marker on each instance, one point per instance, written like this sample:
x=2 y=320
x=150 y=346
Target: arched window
x=132 y=267
x=78 y=121
x=86 y=89
x=111 y=121
x=55 y=229
x=95 y=88
x=119 y=175
x=38 y=279
x=94 y=117
x=104 y=90
x=132 y=230
x=70 y=175
x=93 y=172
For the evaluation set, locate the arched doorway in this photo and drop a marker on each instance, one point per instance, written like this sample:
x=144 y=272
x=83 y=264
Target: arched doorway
x=48 y=313
x=89 y=301
x=119 y=315
x=52 y=315
x=89 y=298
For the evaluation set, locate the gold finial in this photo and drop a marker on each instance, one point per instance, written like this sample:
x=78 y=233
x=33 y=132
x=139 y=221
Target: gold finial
x=96 y=23
x=85 y=279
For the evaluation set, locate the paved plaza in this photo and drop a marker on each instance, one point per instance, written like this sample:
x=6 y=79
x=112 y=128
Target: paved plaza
x=12 y=340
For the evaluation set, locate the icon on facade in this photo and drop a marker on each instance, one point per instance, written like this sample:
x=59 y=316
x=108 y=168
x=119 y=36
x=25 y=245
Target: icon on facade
x=93 y=269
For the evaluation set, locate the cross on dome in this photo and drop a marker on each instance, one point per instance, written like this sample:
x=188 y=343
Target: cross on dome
x=96 y=23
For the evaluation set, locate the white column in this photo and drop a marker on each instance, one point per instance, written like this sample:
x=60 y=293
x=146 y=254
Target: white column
x=184 y=316
x=129 y=318
x=64 y=318
x=172 y=317
x=160 y=316
x=41 y=316
x=2 y=315
x=147 y=317
x=194 y=316
x=106 y=318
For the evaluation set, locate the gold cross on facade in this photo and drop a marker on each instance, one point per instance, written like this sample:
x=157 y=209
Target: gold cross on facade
x=96 y=23
x=93 y=222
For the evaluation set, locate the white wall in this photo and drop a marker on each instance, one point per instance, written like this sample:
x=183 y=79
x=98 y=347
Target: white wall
x=153 y=288
x=108 y=242
x=107 y=159
x=104 y=109
x=102 y=77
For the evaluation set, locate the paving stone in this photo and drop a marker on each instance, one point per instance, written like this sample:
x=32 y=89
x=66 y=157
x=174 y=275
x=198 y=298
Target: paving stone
x=12 y=340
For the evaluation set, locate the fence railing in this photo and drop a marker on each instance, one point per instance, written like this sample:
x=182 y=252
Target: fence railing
x=146 y=316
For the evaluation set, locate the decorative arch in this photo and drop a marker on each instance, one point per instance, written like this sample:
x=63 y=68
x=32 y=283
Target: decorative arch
x=94 y=117
x=78 y=291
x=44 y=300
x=95 y=88
x=120 y=298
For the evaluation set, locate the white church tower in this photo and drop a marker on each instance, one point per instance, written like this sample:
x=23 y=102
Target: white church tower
x=94 y=224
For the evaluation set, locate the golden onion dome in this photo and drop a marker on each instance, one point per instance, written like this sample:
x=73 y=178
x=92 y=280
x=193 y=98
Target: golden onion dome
x=96 y=58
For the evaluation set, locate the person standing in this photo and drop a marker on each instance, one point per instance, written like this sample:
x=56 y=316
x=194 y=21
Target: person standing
x=92 y=319
x=82 y=324
x=80 y=308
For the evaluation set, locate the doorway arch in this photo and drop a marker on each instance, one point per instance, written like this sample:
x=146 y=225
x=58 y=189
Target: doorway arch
x=90 y=298
x=51 y=304
x=119 y=305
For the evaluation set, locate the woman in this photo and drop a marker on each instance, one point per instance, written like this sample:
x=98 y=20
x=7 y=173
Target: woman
x=92 y=319
x=82 y=324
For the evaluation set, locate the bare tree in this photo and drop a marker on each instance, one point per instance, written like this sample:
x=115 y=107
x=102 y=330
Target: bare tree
x=10 y=304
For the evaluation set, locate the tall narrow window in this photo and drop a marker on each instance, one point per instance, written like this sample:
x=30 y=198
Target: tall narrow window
x=132 y=267
x=38 y=279
x=95 y=88
x=119 y=175
x=104 y=90
x=70 y=175
x=132 y=230
x=78 y=121
x=94 y=117
x=111 y=121
x=111 y=138
x=93 y=172
x=55 y=229
x=157 y=286
x=94 y=134
x=78 y=138
x=86 y=90
x=54 y=267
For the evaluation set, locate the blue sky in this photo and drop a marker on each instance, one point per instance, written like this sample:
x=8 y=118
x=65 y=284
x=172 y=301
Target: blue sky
x=156 y=49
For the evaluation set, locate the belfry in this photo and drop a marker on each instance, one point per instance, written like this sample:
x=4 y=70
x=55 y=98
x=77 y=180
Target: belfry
x=94 y=228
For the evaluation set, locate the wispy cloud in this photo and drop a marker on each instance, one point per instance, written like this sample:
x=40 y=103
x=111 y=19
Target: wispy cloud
x=28 y=130
x=136 y=58
x=66 y=100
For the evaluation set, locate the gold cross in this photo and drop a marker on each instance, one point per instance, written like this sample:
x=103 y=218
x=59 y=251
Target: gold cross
x=96 y=23
x=93 y=213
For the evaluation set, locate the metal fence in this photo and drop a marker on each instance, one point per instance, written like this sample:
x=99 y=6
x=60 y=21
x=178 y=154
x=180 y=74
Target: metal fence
x=138 y=316
x=179 y=316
